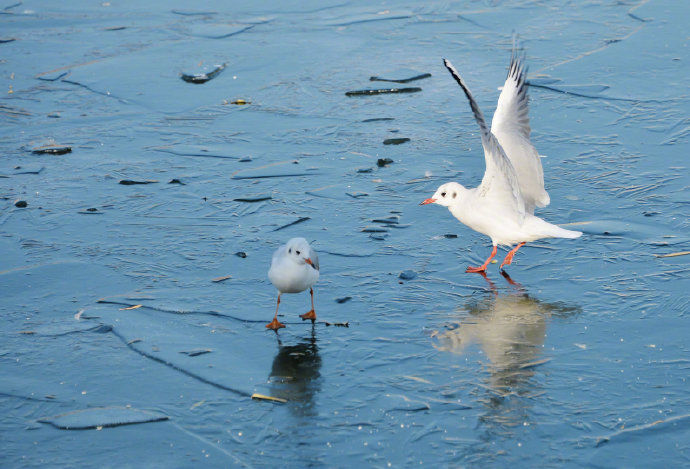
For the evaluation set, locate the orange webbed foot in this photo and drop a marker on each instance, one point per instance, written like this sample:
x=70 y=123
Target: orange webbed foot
x=308 y=315
x=482 y=268
x=275 y=325
x=509 y=258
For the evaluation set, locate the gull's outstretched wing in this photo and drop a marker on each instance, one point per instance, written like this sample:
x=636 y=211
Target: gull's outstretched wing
x=512 y=112
x=511 y=127
x=500 y=184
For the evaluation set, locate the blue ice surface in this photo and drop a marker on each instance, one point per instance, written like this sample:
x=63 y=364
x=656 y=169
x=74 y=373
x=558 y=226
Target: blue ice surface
x=581 y=361
x=100 y=417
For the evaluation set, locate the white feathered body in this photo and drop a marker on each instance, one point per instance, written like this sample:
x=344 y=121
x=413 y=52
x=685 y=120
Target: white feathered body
x=500 y=223
x=289 y=276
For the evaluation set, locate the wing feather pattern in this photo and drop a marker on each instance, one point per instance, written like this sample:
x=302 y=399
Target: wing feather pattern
x=512 y=111
x=500 y=180
x=511 y=127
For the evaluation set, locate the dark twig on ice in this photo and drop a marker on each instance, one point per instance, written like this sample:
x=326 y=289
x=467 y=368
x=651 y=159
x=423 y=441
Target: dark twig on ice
x=52 y=150
x=300 y=220
x=337 y=324
x=383 y=91
x=129 y=182
x=253 y=199
x=379 y=119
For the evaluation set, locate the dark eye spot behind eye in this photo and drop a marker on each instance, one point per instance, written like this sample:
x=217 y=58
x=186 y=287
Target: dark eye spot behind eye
x=455 y=194
x=290 y=251
x=297 y=252
x=443 y=194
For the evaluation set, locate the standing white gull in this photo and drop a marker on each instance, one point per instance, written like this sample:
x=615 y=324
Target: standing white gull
x=294 y=268
x=502 y=207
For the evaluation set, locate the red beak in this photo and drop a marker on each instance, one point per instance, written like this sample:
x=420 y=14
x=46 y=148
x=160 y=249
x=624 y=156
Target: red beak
x=428 y=201
x=308 y=261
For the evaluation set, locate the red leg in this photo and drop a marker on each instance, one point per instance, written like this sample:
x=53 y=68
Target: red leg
x=509 y=257
x=483 y=266
x=310 y=314
x=275 y=324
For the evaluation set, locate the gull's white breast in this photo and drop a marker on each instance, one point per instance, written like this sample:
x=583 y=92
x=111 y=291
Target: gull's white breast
x=290 y=277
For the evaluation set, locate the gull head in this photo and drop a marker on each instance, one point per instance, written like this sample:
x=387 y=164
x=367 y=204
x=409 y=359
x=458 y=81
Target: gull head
x=446 y=195
x=297 y=249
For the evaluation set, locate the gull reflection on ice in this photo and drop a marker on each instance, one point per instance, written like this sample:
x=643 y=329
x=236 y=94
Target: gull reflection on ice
x=295 y=374
x=509 y=329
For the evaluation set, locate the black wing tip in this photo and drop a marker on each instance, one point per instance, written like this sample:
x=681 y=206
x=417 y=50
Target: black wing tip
x=478 y=116
x=454 y=73
x=518 y=69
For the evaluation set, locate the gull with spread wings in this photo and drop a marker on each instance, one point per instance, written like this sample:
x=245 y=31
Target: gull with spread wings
x=502 y=207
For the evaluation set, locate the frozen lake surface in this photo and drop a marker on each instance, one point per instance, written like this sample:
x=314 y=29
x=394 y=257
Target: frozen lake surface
x=112 y=322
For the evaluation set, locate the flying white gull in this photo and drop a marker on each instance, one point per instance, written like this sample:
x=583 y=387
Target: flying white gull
x=502 y=207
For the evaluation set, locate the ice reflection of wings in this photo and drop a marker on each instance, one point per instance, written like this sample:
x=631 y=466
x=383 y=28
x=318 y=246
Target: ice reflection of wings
x=510 y=330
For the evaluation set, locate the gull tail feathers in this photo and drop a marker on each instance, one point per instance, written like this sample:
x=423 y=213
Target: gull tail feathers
x=558 y=232
x=543 y=229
